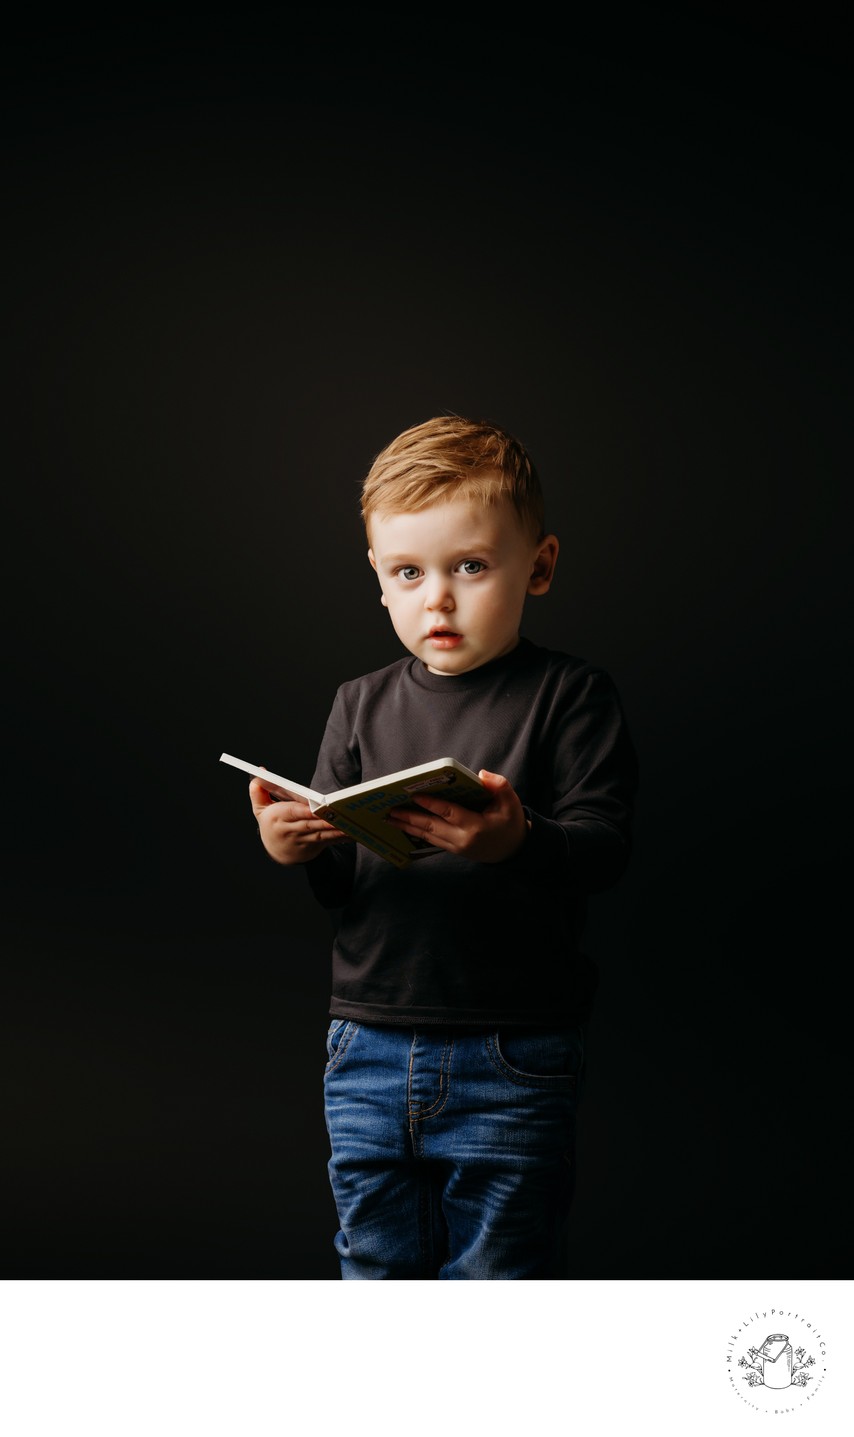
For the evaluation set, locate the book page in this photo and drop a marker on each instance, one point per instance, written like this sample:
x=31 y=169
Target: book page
x=274 y=783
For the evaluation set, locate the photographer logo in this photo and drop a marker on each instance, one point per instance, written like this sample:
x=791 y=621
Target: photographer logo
x=776 y=1360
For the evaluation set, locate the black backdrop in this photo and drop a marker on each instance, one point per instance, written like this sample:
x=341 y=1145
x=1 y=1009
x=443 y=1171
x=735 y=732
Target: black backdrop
x=240 y=261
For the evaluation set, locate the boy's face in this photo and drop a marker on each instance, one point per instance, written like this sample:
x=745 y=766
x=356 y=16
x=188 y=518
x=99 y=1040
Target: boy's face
x=455 y=577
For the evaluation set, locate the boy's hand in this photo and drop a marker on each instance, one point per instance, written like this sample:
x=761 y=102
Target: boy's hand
x=490 y=836
x=289 y=830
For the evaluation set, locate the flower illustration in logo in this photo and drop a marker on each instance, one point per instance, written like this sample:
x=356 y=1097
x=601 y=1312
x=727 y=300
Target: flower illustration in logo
x=773 y=1364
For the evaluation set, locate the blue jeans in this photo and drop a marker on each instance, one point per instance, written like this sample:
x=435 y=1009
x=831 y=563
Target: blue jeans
x=453 y=1153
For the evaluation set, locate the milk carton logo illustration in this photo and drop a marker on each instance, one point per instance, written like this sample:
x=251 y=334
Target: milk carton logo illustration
x=785 y=1369
x=773 y=1363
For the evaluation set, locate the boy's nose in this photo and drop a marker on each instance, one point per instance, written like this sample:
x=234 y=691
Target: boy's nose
x=438 y=596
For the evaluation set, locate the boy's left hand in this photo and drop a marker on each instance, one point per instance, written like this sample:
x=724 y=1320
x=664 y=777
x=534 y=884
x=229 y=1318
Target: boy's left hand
x=492 y=835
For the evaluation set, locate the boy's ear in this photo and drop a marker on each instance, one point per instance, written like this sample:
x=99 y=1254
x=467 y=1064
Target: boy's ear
x=542 y=571
x=373 y=563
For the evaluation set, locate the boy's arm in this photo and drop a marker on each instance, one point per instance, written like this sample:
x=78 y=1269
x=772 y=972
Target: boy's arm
x=585 y=842
x=587 y=838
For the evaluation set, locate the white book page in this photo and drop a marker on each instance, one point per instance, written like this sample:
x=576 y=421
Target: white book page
x=274 y=782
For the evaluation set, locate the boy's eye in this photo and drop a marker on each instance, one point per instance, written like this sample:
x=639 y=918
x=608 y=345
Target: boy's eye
x=408 y=572
x=472 y=566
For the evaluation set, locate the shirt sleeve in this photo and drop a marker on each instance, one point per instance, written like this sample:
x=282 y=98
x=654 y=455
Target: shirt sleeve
x=585 y=841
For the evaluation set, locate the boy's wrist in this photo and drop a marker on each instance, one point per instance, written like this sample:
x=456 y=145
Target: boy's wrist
x=519 y=847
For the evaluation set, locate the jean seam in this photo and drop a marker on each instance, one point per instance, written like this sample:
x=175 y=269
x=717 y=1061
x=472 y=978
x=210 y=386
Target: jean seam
x=418 y=1112
x=444 y=1086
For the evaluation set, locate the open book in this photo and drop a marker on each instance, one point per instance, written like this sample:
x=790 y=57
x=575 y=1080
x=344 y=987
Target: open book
x=360 y=811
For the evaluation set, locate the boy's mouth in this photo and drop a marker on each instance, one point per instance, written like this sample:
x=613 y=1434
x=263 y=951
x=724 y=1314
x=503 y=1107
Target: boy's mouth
x=443 y=638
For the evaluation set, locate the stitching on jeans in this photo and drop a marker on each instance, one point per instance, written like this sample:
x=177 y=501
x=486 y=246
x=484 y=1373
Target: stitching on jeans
x=342 y=1046
x=417 y=1113
x=444 y=1086
x=409 y=1076
x=416 y=1138
x=554 y=1082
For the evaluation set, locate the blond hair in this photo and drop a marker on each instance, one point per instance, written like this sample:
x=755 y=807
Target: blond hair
x=453 y=458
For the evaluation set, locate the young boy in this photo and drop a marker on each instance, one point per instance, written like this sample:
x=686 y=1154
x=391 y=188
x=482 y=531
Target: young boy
x=459 y=990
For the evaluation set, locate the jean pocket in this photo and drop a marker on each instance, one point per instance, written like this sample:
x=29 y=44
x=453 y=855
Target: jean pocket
x=538 y=1057
x=338 y=1038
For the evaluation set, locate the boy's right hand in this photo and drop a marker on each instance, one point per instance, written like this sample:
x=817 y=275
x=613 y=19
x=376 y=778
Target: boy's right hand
x=289 y=830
